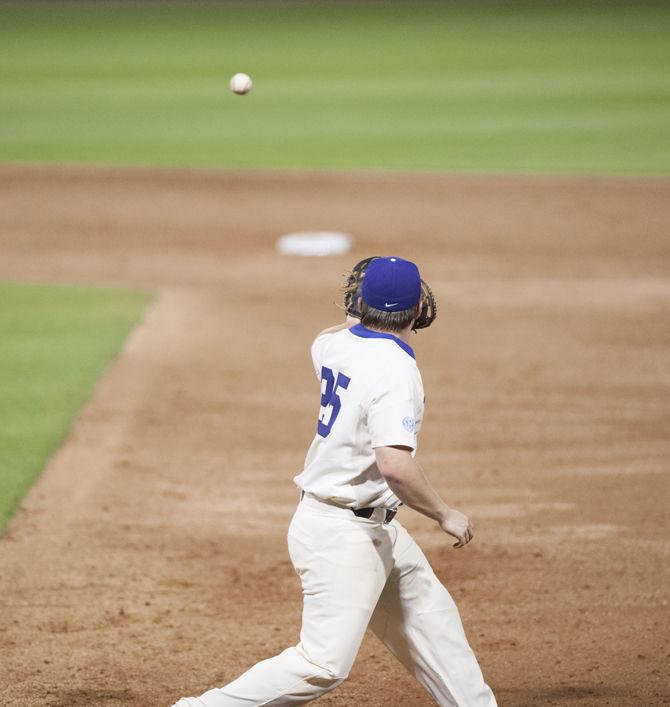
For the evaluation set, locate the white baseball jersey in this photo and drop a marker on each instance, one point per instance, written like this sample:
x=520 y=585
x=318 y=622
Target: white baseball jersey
x=371 y=396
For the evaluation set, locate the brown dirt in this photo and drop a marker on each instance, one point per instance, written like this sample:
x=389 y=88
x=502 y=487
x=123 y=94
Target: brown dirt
x=149 y=561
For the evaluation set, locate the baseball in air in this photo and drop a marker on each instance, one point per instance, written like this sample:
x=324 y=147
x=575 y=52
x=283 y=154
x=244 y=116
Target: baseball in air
x=240 y=84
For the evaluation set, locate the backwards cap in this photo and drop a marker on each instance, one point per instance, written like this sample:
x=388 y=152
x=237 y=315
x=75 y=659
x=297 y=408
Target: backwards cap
x=391 y=284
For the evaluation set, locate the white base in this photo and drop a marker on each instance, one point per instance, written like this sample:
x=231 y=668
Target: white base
x=315 y=243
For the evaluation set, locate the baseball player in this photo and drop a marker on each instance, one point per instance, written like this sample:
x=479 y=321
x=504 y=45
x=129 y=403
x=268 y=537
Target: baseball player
x=358 y=566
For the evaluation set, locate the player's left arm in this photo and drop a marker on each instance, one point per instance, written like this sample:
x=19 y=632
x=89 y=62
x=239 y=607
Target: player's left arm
x=409 y=483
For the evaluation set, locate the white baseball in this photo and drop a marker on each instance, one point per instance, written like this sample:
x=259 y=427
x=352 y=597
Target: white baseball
x=240 y=84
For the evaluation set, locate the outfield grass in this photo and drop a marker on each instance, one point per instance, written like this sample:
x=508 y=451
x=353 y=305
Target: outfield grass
x=538 y=87
x=55 y=343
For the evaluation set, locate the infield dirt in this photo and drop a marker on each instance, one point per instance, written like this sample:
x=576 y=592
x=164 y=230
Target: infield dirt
x=149 y=561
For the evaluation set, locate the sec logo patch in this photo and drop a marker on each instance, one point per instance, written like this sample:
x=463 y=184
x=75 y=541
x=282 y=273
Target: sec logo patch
x=408 y=424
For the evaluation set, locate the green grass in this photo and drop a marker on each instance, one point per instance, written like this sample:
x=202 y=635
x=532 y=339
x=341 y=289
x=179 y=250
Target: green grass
x=55 y=343
x=535 y=87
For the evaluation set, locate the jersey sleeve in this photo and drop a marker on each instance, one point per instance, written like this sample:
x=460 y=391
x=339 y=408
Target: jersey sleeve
x=393 y=411
x=317 y=350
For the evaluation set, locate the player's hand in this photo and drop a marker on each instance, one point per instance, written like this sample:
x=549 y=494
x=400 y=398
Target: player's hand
x=458 y=525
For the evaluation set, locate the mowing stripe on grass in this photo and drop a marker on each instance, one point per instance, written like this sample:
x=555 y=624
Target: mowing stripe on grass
x=55 y=343
x=517 y=86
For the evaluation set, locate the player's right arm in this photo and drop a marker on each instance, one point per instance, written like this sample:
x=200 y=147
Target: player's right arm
x=409 y=483
x=321 y=341
x=347 y=324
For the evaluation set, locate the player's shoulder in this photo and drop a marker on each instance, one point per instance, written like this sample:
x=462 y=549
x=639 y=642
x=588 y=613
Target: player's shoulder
x=324 y=344
x=384 y=346
x=326 y=337
x=381 y=350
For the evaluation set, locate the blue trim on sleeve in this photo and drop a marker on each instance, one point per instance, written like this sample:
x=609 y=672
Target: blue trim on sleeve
x=365 y=333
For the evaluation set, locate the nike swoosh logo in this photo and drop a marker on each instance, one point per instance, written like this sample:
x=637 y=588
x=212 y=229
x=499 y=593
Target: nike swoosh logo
x=390 y=304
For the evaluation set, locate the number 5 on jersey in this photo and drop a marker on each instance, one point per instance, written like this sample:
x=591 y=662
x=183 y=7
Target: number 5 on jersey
x=330 y=400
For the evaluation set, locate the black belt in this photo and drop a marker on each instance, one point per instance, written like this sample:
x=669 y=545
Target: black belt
x=367 y=513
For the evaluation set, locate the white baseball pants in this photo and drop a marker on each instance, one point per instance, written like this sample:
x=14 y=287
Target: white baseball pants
x=357 y=572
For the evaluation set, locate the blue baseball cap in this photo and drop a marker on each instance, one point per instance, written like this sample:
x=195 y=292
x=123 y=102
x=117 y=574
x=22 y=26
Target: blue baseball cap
x=391 y=284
